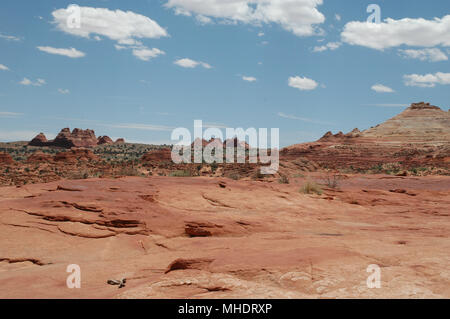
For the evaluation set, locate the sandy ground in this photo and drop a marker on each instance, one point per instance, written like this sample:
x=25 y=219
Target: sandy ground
x=219 y=238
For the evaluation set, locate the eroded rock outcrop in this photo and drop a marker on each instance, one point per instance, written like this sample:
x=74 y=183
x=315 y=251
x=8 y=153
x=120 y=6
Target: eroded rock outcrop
x=75 y=155
x=104 y=140
x=40 y=157
x=161 y=155
x=39 y=140
x=6 y=159
x=419 y=136
x=76 y=138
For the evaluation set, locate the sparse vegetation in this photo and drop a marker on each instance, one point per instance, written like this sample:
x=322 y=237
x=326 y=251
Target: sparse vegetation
x=235 y=176
x=311 y=188
x=283 y=179
x=332 y=179
x=180 y=173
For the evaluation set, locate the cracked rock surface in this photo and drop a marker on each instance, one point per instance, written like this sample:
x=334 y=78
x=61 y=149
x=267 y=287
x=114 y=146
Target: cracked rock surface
x=193 y=238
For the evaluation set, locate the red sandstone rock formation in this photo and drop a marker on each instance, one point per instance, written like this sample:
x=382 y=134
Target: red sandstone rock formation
x=39 y=140
x=6 y=159
x=161 y=155
x=76 y=154
x=119 y=141
x=419 y=136
x=40 y=157
x=104 y=140
x=193 y=238
x=76 y=138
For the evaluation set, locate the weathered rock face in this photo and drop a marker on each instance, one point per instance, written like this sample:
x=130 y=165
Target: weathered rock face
x=5 y=159
x=39 y=140
x=119 y=141
x=75 y=155
x=104 y=140
x=76 y=138
x=421 y=122
x=162 y=155
x=419 y=136
x=40 y=157
x=223 y=239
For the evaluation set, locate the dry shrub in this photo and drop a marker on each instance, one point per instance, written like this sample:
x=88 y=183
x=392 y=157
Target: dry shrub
x=311 y=188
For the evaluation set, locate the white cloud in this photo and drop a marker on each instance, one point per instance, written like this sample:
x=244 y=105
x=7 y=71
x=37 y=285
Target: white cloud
x=380 y=88
x=303 y=119
x=10 y=114
x=64 y=91
x=146 y=54
x=427 y=80
x=393 y=33
x=300 y=17
x=337 y=17
x=260 y=34
x=188 y=63
x=329 y=46
x=9 y=37
x=303 y=83
x=203 y=19
x=116 y=25
x=431 y=55
x=3 y=67
x=38 y=82
x=249 y=78
x=71 y=53
x=123 y=27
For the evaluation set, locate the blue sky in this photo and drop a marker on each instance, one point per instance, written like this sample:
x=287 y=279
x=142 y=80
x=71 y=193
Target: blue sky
x=307 y=68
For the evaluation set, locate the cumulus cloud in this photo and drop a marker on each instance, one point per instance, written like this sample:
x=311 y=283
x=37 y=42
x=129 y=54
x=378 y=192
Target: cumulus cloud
x=393 y=33
x=203 y=19
x=431 y=55
x=427 y=80
x=302 y=83
x=300 y=17
x=3 y=67
x=28 y=82
x=146 y=54
x=380 y=88
x=116 y=25
x=329 y=46
x=123 y=27
x=71 y=53
x=188 y=63
x=249 y=78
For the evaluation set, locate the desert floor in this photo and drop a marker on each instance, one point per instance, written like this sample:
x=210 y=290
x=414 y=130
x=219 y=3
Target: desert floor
x=219 y=238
